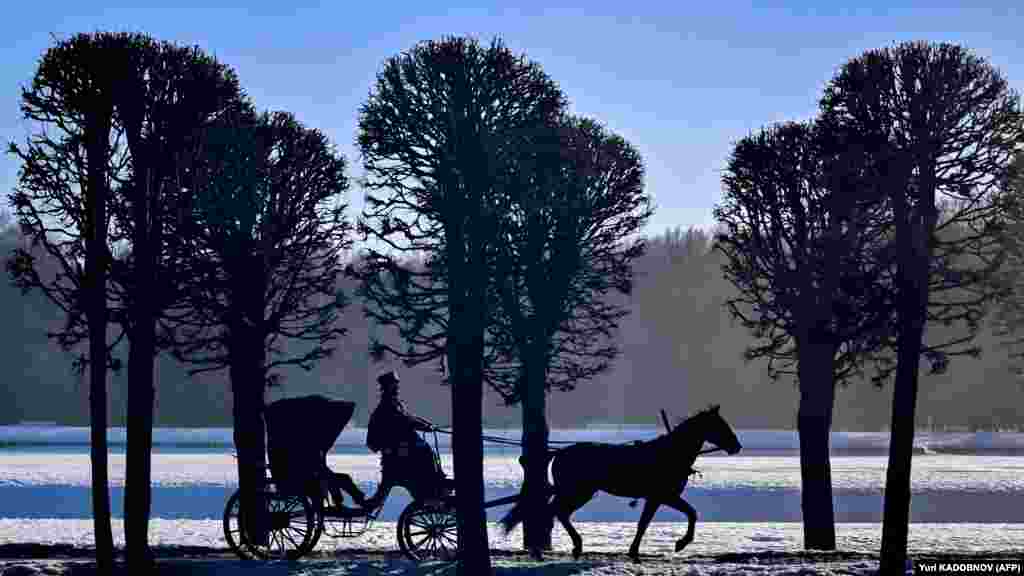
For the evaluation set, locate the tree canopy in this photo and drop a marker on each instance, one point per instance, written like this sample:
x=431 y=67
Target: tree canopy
x=568 y=239
x=266 y=225
x=942 y=127
x=445 y=119
x=802 y=244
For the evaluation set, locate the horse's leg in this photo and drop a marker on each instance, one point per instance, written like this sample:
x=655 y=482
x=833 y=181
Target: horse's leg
x=683 y=506
x=650 y=507
x=565 y=505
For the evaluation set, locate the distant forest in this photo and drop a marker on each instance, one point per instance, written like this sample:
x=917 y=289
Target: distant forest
x=680 y=351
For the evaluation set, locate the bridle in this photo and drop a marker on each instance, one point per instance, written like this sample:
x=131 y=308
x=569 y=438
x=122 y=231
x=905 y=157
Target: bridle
x=668 y=427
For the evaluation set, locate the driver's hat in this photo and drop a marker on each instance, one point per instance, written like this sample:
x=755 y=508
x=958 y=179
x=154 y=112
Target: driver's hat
x=388 y=379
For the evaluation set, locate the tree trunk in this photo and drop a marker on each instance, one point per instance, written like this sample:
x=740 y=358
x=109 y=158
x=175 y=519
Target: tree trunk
x=247 y=357
x=467 y=448
x=98 y=452
x=96 y=313
x=247 y=388
x=139 y=426
x=146 y=300
x=896 y=515
x=537 y=526
x=914 y=228
x=814 y=424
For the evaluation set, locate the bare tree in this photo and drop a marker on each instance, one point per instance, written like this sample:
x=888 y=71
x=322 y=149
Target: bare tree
x=799 y=236
x=165 y=97
x=942 y=126
x=259 y=256
x=158 y=95
x=69 y=165
x=1009 y=317
x=443 y=118
x=574 y=208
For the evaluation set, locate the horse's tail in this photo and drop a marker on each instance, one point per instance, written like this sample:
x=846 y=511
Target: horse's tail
x=514 y=517
x=517 y=513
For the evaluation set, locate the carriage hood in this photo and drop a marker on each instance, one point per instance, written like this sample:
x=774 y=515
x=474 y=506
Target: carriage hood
x=306 y=420
x=300 y=431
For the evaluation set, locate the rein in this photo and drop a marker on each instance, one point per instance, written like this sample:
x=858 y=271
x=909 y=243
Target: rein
x=507 y=442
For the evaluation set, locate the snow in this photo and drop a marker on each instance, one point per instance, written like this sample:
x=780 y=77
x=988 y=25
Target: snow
x=501 y=567
x=862 y=474
x=41 y=483
x=967 y=492
x=603 y=545
x=194 y=486
x=712 y=538
x=355 y=438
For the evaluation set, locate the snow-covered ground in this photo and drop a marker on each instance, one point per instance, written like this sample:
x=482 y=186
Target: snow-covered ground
x=712 y=538
x=355 y=438
x=195 y=486
x=967 y=493
x=975 y=473
x=720 y=548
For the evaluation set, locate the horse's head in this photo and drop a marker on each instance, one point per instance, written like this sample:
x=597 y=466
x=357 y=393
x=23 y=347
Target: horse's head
x=716 y=430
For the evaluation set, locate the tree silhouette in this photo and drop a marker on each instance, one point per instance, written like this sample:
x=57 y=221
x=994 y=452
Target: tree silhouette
x=799 y=235
x=571 y=209
x=1009 y=317
x=167 y=96
x=69 y=165
x=942 y=126
x=441 y=122
x=260 y=255
x=160 y=94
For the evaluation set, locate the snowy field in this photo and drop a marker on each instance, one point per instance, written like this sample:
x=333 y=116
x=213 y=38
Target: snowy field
x=760 y=441
x=712 y=538
x=195 y=486
x=968 y=490
x=720 y=548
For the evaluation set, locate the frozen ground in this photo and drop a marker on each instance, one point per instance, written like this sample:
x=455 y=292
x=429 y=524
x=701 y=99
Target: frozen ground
x=712 y=538
x=20 y=468
x=355 y=438
x=195 y=486
x=720 y=548
x=502 y=566
x=967 y=494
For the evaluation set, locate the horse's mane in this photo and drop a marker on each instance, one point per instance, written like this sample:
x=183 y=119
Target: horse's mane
x=711 y=408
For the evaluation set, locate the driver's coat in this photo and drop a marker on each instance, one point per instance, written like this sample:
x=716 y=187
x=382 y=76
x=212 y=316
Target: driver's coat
x=391 y=427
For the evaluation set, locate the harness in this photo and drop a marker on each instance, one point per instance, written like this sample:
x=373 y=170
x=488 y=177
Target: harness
x=690 y=472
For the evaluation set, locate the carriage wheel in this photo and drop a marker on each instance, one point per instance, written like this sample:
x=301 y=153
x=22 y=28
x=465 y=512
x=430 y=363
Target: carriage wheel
x=294 y=528
x=428 y=531
x=318 y=513
x=233 y=527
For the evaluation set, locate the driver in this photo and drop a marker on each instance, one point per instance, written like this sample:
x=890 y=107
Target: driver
x=406 y=459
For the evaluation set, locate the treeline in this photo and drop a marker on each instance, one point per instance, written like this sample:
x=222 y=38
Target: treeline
x=680 y=350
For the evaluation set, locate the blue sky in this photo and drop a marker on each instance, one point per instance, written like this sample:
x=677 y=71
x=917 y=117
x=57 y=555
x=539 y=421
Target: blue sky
x=682 y=81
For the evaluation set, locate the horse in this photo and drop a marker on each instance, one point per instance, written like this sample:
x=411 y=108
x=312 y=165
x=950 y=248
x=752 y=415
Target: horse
x=656 y=471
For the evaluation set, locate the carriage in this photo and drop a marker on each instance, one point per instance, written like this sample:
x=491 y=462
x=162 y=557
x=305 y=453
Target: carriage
x=301 y=431
x=298 y=502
